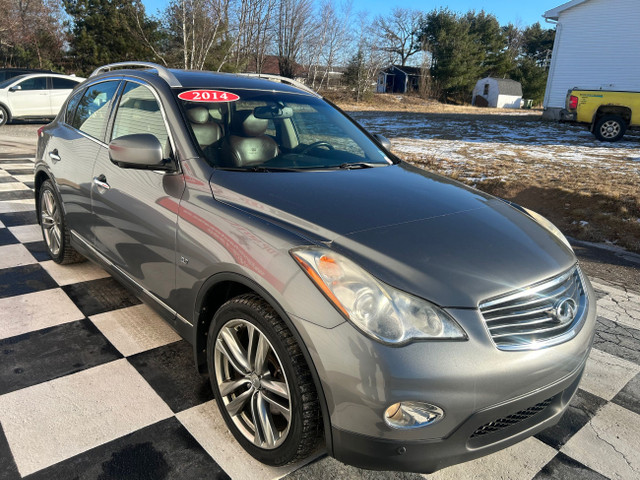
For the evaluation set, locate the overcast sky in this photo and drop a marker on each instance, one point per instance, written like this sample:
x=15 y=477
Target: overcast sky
x=526 y=13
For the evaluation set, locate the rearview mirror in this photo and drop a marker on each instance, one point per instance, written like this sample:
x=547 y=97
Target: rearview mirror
x=267 y=113
x=140 y=150
x=382 y=140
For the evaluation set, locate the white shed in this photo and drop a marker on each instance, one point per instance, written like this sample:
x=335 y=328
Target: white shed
x=597 y=47
x=497 y=93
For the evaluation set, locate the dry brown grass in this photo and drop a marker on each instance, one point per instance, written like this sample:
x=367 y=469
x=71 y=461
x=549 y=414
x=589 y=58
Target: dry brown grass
x=414 y=103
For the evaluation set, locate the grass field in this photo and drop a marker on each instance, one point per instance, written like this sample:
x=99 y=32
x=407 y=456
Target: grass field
x=589 y=189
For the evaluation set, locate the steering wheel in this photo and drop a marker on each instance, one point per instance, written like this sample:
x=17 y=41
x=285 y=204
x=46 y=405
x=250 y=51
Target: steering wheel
x=321 y=143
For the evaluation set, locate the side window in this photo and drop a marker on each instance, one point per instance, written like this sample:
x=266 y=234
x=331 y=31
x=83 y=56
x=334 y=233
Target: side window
x=71 y=107
x=63 y=83
x=93 y=109
x=33 y=83
x=139 y=112
x=486 y=89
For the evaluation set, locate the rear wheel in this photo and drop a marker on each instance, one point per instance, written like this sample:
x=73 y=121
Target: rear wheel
x=54 y=228
x=261 y=382
x=4 y=116
x=610 y=128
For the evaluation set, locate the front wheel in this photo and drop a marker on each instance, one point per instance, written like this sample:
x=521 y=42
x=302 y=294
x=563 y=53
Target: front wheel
x=610 y=128
x=261 y=382
x=54 y=227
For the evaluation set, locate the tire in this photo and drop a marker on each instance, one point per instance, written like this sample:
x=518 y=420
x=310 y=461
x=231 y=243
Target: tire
x=54 y=227
x=244 y=385
x=610 y=128
x=4 y=116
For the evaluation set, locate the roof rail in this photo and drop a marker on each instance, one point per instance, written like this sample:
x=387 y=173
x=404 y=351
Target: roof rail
x=281 y=79
x=163 y=72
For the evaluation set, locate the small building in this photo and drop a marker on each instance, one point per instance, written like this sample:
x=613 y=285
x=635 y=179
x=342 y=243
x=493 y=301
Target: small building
x=497 y=93
x=596 y=48
x=399 y=79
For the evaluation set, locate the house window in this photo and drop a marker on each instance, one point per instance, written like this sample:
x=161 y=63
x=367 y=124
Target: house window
x=486 y=89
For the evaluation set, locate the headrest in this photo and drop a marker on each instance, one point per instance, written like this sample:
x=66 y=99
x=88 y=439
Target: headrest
x=198 y=115
x=216 y=113
x=252 y=126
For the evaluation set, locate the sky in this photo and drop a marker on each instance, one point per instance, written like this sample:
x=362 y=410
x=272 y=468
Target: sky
x=524 y=13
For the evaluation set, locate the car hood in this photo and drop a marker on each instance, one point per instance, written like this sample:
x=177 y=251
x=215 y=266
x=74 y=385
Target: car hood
x=419 y=232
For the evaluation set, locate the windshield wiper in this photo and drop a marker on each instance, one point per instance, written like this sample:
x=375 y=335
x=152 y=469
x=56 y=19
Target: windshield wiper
x=355 y=165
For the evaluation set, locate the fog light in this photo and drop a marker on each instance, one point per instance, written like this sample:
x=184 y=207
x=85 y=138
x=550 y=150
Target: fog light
x=412 y=415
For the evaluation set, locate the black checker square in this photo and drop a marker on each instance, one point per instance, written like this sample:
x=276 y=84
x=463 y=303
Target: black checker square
x=170 y=371
x=14 y=219
x=8 y=467
x=38 y=250
x=99 y=296
x=8 y=179
x=617 y=339
x=24 y=279
x=17 y=195
x=19 y=171
x=53 y=352
x=563 y=467
x=164 y=450
x=6 y=237
x=583 y=407
x=629 y=396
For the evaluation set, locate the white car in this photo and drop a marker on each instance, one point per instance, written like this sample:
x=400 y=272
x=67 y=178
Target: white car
x=35 y=95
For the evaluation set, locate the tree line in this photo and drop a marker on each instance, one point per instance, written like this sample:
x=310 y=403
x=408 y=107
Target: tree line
x=305 y=37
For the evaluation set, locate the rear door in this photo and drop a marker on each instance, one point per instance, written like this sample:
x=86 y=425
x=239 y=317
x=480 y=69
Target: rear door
x=60 y=88
x=133 y=227
x=73 y=147
x=30 y=98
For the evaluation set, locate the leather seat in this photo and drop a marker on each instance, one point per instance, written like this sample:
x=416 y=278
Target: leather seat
x=207 y=131
x=249 y=145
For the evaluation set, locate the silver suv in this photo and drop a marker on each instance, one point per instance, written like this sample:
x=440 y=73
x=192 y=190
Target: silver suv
x=329 y=289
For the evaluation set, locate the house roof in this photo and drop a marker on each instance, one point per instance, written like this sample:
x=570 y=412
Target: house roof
x=406 y=69
x=507 y=86
x=554 y=13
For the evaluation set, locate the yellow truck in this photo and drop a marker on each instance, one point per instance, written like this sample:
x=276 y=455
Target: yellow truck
x=608 y=113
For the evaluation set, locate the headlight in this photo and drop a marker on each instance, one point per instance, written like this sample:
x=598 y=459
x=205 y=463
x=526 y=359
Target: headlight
x=548 y=225
x=382 y=312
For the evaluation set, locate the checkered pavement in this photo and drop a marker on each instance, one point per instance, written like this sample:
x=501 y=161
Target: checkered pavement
x=93 y=385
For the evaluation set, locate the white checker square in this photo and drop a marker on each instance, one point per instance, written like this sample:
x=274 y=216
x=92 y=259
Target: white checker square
x=52 y=421
x=74 y=273
x=27 y=233
x=15 y=255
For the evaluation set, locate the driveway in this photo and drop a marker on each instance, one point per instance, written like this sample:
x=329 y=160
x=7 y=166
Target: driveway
x=94 y=385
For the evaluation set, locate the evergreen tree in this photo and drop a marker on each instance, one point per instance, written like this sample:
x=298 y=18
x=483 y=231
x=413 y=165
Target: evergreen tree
x=107 y=31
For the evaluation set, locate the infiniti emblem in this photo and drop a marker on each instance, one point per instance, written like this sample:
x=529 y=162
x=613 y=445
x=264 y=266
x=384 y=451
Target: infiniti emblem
x=565 y=310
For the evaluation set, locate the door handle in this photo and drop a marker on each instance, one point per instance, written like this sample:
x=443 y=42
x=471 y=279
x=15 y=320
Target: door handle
x=54 y=156
x=101 y=182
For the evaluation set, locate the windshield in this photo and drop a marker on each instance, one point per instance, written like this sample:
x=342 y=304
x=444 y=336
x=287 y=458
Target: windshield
x=9 y=81
x=257 y=130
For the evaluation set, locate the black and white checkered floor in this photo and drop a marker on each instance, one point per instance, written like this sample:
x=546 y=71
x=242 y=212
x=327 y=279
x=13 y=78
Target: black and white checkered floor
x=93 y=385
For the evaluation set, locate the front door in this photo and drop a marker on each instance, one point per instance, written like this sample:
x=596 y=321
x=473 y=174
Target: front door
x=30 y=98
x=132 y=227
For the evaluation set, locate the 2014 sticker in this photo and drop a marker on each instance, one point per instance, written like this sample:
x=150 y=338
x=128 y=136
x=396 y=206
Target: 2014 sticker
x=208 y=96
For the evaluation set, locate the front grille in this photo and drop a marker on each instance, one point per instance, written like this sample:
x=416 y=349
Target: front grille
x=502 y=423
x=538 y=315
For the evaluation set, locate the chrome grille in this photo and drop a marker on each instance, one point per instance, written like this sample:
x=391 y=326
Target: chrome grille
x=539 y=315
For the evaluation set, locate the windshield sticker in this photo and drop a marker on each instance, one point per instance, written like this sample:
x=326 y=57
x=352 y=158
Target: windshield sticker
x=208 y=96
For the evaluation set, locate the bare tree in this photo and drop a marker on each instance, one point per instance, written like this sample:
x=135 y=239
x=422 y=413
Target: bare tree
x=200 y=25
x=252 y=29
x=397 y=33
x=293 y=26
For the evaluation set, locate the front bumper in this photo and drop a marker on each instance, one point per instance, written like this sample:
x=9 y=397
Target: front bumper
x=485 y=432
x=472 y=381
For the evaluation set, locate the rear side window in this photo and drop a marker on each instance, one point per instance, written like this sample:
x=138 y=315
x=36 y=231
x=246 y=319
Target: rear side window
x=71 y=107
x=63 y=83
x=93 y=109
x=33 y=83
x=139 y=112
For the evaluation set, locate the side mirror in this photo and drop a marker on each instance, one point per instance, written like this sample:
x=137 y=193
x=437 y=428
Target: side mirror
x=140 y=150
x=382 y=140
x=15 y=88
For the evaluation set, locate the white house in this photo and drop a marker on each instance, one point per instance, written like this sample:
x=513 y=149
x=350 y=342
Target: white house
x=597 y=46
x=497 y=93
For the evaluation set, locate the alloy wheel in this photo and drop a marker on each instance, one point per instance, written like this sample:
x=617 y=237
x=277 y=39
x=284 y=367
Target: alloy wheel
x=252 y=384
x=610 y=129
x=51 y=224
